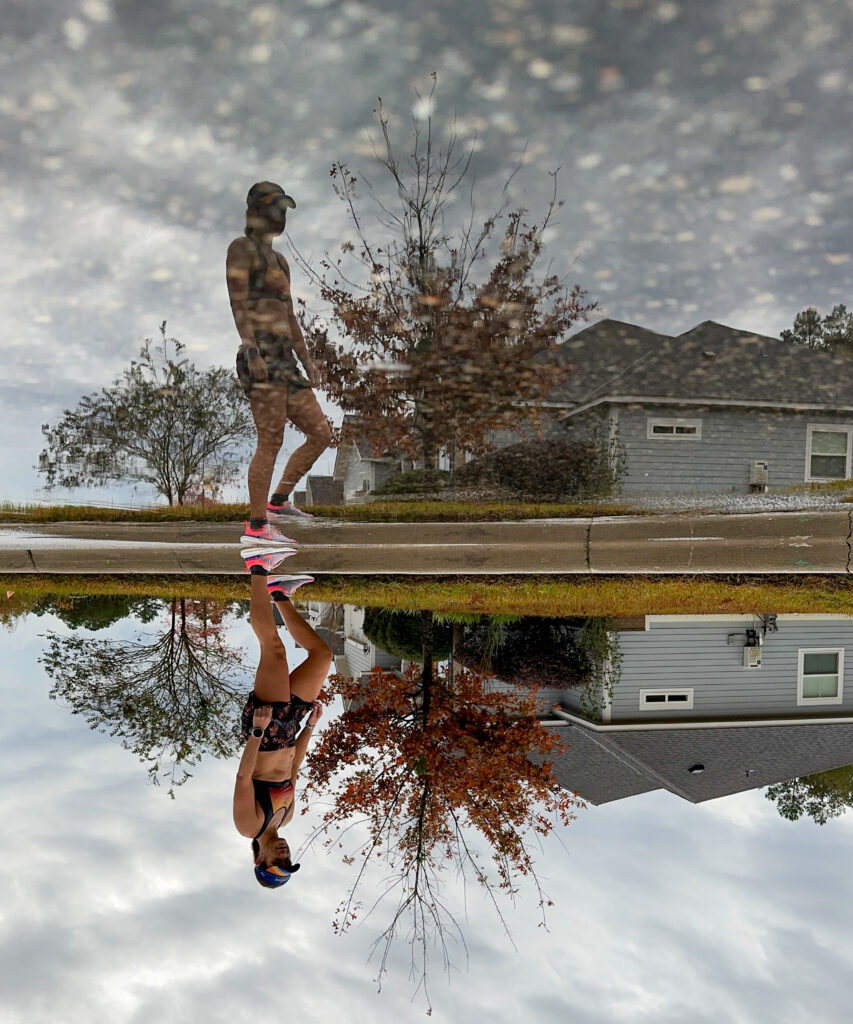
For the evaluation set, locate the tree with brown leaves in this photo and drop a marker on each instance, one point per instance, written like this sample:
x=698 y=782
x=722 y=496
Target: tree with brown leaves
x=435 y=339
x=421 y=766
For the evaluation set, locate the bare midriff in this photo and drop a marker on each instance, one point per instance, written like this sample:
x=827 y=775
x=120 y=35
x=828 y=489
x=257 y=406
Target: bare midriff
x=274 y=765
x=269 y=315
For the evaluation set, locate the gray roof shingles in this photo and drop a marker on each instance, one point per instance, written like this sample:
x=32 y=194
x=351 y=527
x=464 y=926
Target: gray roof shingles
x=593 y=771
x=709 y=362
x=607 y=766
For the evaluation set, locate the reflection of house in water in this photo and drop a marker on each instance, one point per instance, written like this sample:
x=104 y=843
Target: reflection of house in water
x=358 y=655
x=705 y=706
x=361 y=653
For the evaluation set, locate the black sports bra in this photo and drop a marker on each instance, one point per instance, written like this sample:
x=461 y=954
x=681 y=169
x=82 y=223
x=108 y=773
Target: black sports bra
x=259 y=288
x=272 y=797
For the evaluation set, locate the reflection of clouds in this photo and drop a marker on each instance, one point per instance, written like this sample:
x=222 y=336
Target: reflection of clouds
x=138 y=128
x=704 y=913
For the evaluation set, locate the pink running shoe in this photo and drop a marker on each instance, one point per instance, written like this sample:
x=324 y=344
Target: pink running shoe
x=288 y=584
x=268 y=559
x=285 y=512
x=267 y=534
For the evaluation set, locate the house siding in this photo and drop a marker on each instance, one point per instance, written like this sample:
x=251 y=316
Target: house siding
x=369 y=472
x=357 y=472
x=719 y=460
x=675 y=655
x=361 y=661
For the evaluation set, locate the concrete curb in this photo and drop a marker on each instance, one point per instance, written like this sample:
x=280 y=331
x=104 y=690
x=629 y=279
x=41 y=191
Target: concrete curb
x=785 y=542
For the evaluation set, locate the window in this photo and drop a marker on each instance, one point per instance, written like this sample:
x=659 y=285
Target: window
x=666 y=698
x=673 y=428
x=828 y=452
x=820 y=676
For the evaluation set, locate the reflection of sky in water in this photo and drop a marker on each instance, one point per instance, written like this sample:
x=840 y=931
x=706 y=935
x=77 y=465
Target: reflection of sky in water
x=703 y=169
x=118 y=900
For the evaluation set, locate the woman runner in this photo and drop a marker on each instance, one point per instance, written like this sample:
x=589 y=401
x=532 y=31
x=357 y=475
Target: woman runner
x=270 y=340
x=265 y=790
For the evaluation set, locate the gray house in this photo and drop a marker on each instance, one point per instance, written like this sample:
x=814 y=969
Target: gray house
x=708 y=668
x=707 y=705
x=357 y=471
x=711 y=410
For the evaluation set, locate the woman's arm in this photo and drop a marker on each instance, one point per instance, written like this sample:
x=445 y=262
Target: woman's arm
x=238 y=264
x=303 y=739
x=245 y=813
x=246 y=816
x=299 y=750
x=296 y=338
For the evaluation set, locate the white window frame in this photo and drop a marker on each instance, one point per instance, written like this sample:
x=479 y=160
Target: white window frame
x=812 y=701
x=672 y=421
x=839 y=428
x=644 y=706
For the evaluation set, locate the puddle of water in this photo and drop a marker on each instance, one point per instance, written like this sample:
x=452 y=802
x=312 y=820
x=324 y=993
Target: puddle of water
x=668 y=740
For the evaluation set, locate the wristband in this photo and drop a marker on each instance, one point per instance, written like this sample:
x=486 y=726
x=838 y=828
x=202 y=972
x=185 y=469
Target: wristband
x=256 y=732
x=252 y=351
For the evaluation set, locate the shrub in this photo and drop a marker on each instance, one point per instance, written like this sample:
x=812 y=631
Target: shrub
x=416 y=481
x=400 y=634
x=541 y=469
x=532 y=651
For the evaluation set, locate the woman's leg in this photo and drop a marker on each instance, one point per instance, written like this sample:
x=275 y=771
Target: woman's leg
x=269 y=409
x=272 y=680
x=307 y=679
x=305 y=414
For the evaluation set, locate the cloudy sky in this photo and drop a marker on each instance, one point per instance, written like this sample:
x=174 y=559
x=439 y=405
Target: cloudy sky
x=119 y=903
x=705 y=162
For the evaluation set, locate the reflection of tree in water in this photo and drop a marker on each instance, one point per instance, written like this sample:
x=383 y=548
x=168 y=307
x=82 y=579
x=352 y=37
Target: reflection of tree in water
x=821 y=796
x=86 y=611
x=529 y=651
x=430 y=763
x=401 y=634
x=170 y=698
x=99 y=611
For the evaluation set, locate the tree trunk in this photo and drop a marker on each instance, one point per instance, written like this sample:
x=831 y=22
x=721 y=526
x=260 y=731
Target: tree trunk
x=456 y=645
x=426 y=674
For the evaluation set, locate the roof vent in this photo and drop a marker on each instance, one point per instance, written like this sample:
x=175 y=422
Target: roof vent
x=696 y=769
x=708 y=354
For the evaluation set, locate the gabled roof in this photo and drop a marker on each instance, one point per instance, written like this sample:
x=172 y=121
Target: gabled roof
x=607 y=766
x=594 y=771
x=612 y=360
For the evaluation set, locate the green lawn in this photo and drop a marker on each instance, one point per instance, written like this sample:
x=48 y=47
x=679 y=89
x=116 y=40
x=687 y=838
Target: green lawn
x=530 y=595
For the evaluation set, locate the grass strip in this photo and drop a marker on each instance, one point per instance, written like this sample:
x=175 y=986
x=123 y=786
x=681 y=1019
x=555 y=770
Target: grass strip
x=373 y=512
x=491 y=595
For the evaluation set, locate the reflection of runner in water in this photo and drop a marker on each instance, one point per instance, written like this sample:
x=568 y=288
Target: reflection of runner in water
x=270 y=339
x=265 y=790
